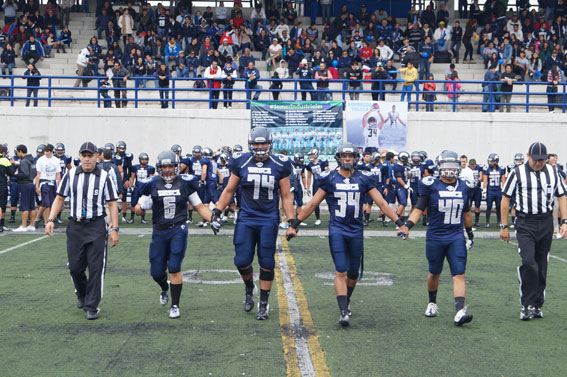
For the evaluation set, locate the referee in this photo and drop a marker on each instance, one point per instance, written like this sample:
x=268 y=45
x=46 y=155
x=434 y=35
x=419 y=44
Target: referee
x=88 y=188
x=534 y=185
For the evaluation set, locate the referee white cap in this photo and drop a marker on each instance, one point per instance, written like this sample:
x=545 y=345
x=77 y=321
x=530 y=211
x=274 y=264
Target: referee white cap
x=538 y=151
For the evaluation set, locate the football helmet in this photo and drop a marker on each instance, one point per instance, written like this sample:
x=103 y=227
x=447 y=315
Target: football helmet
x=346 y=148
x=313 y=154
x=176 y=148
x=121 y=146
x=416 y=156
x=494 y=158
x=237 y=148
x=40 y=148
x=299 y=158
x=109 y=146
x=403 y=157
x=59 y=149
x=260 y=135
x=223 y=158
x=167 y=158
x=376 y=158
x=143 y=156
x=449 y=164
x=207 y=152
x=423 y=155
x=197 y=149
x=518 y=159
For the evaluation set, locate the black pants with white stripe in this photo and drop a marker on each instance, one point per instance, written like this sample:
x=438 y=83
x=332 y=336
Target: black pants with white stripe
x=86 y=248
x=534 y=234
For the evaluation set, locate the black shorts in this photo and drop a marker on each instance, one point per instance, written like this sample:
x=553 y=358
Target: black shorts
x=3 y=198
x=27 y=197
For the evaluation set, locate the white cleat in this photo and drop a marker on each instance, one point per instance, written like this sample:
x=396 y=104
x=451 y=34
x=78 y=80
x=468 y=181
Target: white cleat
x=432 y=310
x=302 y=224
x=31 y=228
x=344 y=320
x=20 y=229
x=163 y=298
x=174 y=312
x=284 y=225
x=317 y=222
x=462 y=317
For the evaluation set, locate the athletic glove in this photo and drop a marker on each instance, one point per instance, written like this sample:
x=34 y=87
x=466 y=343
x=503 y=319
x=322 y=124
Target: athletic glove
x=407 y=186
x=483 y=194
x=293 y=224
x=216 y=223
x=145 y=202
x=470 y=235
x=470 y=244
x=219 y=187
x=202 y=183
x=292 y=189
x=307 y=192
x=410 y=191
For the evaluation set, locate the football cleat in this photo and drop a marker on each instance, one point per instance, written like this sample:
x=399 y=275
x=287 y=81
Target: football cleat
x=348 y=310
x=537 y=313
x=144 y=221
x=302 y=224
x=462 y=317
x=284 y=225
x=130 y=221
x=31 y=228
x=263 y=311
x=365 y=223
x=249 y=299
x=432 y=310
x=512 y=226
x=59 y=221
x=487 y=225
x=527 y=313
x=344 y=320
x=189 y=221
x=476 y=225
x=11 y=220
x=163 y=298
x=317 y=222
x=174 y=312
x=20 y=229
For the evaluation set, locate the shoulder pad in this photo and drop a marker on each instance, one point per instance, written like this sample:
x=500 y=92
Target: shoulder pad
x=128 y=154
x=470 y=184
x=366 y=172
x=237 y=155
x=187 y=177
x=323 y=159
x=282 y=158
x=428 y=181
x=146 y=180
x=68 y=156
x=325 y=173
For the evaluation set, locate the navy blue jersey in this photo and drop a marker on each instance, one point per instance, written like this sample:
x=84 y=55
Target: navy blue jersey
x=142 y=172
x=186 y=160
x=196 y=166
x=127 y=163
x=170 y=200
x=446 y=204
x=400 y=171
x=117 y=159
x=212 y=176
x=64 y=161
x=376 y=172
x=476 y=175
x=363 y=166
x=316 y=168
x=416 y=172
x=295 y=178
x=76 y=161
x=345 y=198
x=225 y=174
x=494 y=177
x=386 y=169
x=259 y=185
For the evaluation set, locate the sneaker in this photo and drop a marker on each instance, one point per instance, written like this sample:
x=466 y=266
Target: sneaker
x=365 y=223
x=487 y=225
x=344 y=320
x=263 y=311
x=189 y=221
x=11 y=220
x=174 y=312
x=302 y=224
x=512 y=226
x=20 y=229
x=432 y=310
x=144 y=221
x=284 y=225
x=537 y=313
x=124 y=220
x=92 y=315
x=462 y=317
x=163 y=298
x=249 y=299
x=526 y=313
x=59 y=221
x=4 y=229
x=80 y=302
x=31 y=228
x=317 y=222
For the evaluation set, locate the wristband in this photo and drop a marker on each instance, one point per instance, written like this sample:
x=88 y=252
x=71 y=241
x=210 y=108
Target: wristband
x=115 y=228
x=410 y=224
x=294 y=223
x=469 y=231
x=564 y=221
x=216 y=212
x=50 y=220
x=399 y=222
x=502 y=226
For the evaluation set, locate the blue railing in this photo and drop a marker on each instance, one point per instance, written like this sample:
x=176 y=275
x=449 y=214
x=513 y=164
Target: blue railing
x=492 y=95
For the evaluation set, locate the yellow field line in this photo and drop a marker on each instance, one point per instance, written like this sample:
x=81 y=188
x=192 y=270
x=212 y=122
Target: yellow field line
x=317 y=354
x=290 y=354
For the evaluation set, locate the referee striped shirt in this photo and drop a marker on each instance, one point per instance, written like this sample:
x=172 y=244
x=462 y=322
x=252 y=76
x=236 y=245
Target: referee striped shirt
x=534 y=191
x=87 y=192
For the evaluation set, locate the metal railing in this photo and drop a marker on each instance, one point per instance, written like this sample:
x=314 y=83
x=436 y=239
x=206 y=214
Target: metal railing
x=491 y=93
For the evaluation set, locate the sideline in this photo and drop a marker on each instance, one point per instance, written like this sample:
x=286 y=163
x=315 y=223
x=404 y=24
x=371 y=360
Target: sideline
x=302 y=351
x=23 y=244
x=551 y=256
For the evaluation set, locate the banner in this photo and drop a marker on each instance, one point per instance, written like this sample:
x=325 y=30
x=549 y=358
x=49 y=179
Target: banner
x=301 y=126
x=377 y=125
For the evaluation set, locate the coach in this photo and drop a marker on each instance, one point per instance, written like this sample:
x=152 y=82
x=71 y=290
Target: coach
x=88 y=188
x=534 y=184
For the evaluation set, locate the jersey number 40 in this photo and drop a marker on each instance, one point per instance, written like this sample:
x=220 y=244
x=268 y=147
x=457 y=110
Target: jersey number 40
x=452 y=208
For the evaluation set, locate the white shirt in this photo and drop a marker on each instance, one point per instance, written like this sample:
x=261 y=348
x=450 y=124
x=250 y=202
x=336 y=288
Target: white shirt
x=48 y=168
x=221 y=13
x=467 y=173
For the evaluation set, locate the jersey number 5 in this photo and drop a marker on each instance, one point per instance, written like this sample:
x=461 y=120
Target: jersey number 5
x=347 y=199
x=169 y=207
x=452 y=208
x=265 y=181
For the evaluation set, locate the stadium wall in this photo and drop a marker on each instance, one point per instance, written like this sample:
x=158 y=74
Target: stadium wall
x=152 y=130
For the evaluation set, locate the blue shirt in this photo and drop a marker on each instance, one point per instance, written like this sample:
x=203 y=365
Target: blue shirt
x=196 y=166
x=362 y=166
x=169 y=199
x=142 y=172
x=295 y=178
x=494 y=177
x=64 y=161
x=316 y=168
x=345 y=198
x=446 y=204
x=476 y=174
x=259 y=185
x=225 y=174
x=416 y=172
x=400 y=171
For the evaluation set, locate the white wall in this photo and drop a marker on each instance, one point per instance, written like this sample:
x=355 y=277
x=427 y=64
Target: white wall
x=154 y=130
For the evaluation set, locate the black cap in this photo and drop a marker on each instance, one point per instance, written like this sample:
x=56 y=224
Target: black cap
x=48 y=147
x=88 y=147
x=538 y=151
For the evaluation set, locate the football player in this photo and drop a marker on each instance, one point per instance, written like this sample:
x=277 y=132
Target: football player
x=401 y=175
x=477 y=191
x=297 y=181
x=447 y=199
x=416 y=173
x=169 y=194
x=366 y=164
x=65 y=162
x=315 y=167
x=371 y=128
x=139 y=173
x=195 y=167
x=40 y=151
x=262 y=177
x=213 y=177
x=388 y=180
x=344 y=190
x=225 y=174
x=518 y=160
x=494 y=178
x=14 y=189
x=127 y=159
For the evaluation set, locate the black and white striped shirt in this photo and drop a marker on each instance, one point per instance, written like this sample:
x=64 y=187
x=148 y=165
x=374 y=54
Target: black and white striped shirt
x=534 y=191
x=87 y=192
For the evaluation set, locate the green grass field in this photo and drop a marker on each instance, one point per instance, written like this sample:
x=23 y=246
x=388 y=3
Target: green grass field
x=43 y=333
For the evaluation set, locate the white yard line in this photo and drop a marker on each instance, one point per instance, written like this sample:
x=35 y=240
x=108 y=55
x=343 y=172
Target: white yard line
x=23 y=244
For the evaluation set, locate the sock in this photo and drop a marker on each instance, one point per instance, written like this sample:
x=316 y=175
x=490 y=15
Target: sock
x=498 y=216
x=13 y=213
x=366 y=216
x=175 y=293
x=433 y=297
x=349 y=292
x=488 y=217
x=249 y=284
x=424 y=220
x=132 y=215
x=190 y=214
x=318 y=213
x=2 y=222
x=343 y=303
x=476 y=217
x=459 y=303
x=383 y=217
x=264 y=295
x=144 y=217
x=162 y=282
x=513 y=219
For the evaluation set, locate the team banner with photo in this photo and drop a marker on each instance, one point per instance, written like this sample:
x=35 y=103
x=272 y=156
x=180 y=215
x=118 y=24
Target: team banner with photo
x=377 y=125
x=301 y=126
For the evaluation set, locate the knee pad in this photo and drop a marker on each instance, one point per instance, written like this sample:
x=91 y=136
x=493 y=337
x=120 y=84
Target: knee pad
x=352 y=275
x=267 y=275
x=245 y=270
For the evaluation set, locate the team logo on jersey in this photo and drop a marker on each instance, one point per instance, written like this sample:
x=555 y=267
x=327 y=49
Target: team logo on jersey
x=450 y=194
x=259 y=164
x=175 y=192
x=167 y=185
x=346 y=180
